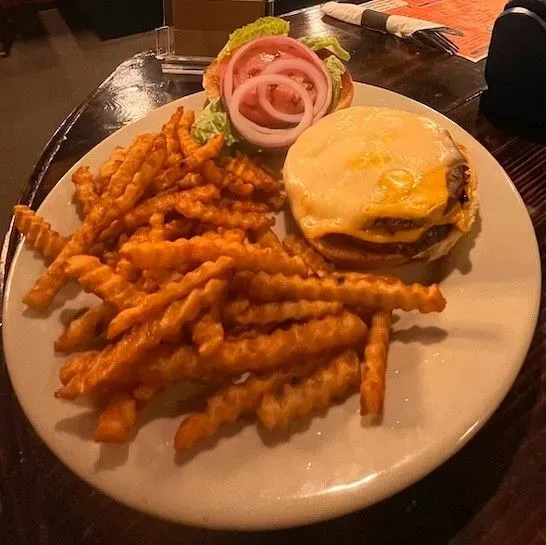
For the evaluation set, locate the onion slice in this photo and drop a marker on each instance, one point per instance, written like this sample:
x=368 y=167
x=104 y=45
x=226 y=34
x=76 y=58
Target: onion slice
x=264 y=136
x=321 y=82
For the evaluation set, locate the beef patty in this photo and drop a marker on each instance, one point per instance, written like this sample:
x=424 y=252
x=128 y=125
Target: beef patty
x=408 y=249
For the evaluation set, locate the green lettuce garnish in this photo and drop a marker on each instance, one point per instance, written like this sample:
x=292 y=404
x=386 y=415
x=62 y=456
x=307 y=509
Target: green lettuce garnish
x=212 y=120
x=326 y=42
x=336 y=69
x=265 y=26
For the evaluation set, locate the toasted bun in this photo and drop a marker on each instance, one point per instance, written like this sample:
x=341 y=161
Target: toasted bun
x=212 y=84
x=211 y=79
x=352 y=256
x=347 y=91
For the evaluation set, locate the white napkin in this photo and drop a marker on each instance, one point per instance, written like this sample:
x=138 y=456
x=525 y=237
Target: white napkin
x=400 y=26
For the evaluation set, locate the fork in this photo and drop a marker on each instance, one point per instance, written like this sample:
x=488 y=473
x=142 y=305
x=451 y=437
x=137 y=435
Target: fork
x=438 y=38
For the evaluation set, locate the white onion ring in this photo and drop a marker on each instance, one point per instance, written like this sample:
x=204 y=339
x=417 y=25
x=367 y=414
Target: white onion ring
x=264 y=136
x=319 y=80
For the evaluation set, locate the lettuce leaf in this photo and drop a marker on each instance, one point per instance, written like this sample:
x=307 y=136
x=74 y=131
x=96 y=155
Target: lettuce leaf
x=330 y=43
x=265 y=26
x=212 y=120
x=336 y=69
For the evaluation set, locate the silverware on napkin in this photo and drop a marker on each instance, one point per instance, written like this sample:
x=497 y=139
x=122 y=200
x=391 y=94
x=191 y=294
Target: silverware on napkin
x=427 y=32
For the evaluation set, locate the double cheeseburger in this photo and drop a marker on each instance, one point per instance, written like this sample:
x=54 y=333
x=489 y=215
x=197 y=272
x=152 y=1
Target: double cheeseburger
x=265 y=88
x=376 y=187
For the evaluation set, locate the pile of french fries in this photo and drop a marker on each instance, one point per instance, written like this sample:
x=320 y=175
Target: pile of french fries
x=176 y=241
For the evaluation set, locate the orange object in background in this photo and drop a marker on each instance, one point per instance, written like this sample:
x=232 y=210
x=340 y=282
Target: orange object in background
x=475 y=19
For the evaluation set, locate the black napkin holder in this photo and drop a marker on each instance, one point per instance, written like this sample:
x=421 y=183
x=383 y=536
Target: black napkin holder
x=515 y=70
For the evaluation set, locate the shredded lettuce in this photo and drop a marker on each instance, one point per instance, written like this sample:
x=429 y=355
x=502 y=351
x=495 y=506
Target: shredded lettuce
x=265 y=26
x=212 y=120
x=330 y=43
x=336 y=69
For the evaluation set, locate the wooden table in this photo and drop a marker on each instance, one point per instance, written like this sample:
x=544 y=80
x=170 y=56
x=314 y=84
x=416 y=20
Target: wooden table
x=493 y=491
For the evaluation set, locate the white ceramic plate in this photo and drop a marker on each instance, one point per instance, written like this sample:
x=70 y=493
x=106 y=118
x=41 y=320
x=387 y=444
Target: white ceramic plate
x=447 y=373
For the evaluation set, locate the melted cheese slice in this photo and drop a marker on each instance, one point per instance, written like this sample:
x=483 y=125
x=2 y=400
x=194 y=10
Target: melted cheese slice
x=364 y=163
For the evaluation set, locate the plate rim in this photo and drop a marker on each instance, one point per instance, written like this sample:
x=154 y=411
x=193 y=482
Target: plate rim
x=350 y=500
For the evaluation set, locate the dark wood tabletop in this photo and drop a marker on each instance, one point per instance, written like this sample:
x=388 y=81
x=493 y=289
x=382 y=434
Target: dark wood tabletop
x=492 y=492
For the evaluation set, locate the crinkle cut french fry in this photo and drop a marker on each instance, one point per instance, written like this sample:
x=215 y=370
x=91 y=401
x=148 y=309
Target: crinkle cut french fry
x=372 y=385
x=316 y=391
x=154 y=302
x=116 y=359
x=84 y=185
x=166 y=202
x=160 y=367
x=167 y=364
x=126 y=186
x=109 y=168
x=76 y=365
x=39 y=234
x=95 y=277
x=208 y=331
x=282 y=311
x=117 y=420
x=170 y=131
x=284 y=345
x=211 y=149
x=144 y=159
x=187 y=120
x=190 y=163
x=374 y=292
x=83 y=330
x=113 y=231
x=231 y=402
x=204 y=193
x=141 y=214
x=202 y=248
x=220 y=216
x=224 y=180
x=187 y=144
x=243 y=167
x=297 y=246
x=213 y=174
x=238 y=187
